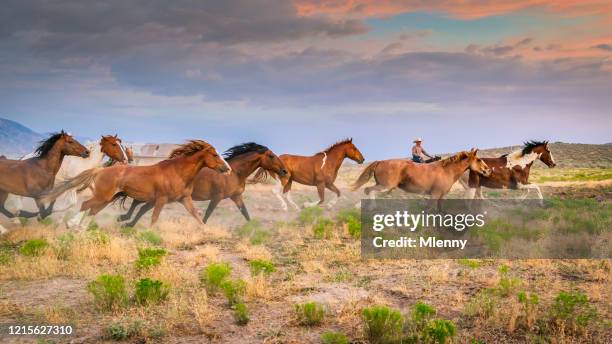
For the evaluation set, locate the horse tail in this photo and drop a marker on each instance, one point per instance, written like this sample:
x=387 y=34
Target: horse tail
x=120 y=197
x=82 y=180
x=365 y=175
x=261 y=176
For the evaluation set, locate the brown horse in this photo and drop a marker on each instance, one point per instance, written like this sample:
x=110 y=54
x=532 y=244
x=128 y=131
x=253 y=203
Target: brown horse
x=318 y=170
x=113 y=147
x=244 y=159
x=167 y=181
x=434 y=179
x=33 y=176
x=511 y=171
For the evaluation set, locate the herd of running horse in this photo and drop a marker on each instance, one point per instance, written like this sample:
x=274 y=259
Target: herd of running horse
x=62 y=167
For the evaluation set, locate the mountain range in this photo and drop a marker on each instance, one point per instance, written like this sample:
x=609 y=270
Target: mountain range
x=16 y=139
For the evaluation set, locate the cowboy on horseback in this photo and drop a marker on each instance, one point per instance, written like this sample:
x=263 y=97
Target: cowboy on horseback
x=418 y=152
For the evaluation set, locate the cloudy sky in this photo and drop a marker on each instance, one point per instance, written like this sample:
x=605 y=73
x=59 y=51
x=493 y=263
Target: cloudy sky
x=299 y=75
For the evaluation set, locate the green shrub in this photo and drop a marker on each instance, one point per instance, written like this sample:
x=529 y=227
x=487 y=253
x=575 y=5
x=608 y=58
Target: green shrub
x=352 y=218
x=259 y=266
x=151 y=237
x=241 y=314
x=128 y=231
x=483 y=304
x=310 y=215
x=529 y=302
x=439 y=331
x=233 y=291
x=117 y=331
x=150 y=291
x=47 y=221
x=254 y=231
x=109 y=292
x=310 y=313
x=323 y=228
x=214 y=274
x=507 y=284
x=334 y=338
x=573 y=311
x=148 y=257
x=382 y=324
x=34 y=247
x=93 y=226
x=422 y=313
x=470 y=263
x=5 y=257
x=98 y=237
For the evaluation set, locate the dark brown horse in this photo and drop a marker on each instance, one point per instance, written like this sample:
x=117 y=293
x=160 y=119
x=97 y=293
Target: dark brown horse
x=244 y=159
x=33 y=176
x=434 y=179
x=170 y=180
x=318 y=170
x=511 y=171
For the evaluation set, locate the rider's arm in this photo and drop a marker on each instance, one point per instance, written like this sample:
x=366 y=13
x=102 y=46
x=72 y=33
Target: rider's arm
x=424 y=152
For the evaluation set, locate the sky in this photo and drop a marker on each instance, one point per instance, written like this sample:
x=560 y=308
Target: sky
x=298 y=76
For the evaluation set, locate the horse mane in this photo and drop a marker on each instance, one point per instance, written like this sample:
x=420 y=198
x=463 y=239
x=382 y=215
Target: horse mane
x=45 y=145
x=457 y=157
x=530 y=145
x=190 y=148
x=341 y=142
x=244 y=148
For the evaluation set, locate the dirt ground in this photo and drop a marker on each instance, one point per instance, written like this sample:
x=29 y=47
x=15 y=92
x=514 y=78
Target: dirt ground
x=330 y=271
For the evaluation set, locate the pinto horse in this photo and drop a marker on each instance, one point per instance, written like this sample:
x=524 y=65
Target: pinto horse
x=511 y=171
x=33 y=176
x=434 y=179
x=244 y=159
x=156 y=185
x=318 y=170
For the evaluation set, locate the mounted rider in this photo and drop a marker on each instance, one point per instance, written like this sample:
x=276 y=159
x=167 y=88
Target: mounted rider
x=418 y=152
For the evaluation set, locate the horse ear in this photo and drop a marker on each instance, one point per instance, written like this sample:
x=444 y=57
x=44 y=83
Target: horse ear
x=63 y=132
x=115 y=135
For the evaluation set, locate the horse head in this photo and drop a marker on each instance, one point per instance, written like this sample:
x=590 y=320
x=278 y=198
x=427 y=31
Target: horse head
x=544 y=154
x=269 y=161
x=113 y=148
x=476 y=164
x=352 y=152
x=69 y=146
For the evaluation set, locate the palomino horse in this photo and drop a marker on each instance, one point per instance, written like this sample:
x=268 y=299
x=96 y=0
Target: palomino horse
x=33 y=176
x=318 y=170
x=244 y=159
x=109 y=145
x=434 y=179
x=156 y=185
x=511 y=171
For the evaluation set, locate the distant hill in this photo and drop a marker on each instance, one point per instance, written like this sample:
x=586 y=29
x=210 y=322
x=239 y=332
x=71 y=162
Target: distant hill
x=17 y=140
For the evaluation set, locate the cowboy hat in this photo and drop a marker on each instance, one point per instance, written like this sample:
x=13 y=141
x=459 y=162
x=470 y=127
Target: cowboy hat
x=418 y=139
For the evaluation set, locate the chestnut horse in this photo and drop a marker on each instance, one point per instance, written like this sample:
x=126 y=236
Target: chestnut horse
x=108 y=145
x=244 y=159
x=318 y=170
x=167 y=181
x=434 y=179
x=33 y=176
x=511 y=171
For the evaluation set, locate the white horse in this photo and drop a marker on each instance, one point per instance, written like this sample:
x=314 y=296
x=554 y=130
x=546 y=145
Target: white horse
x=109 y=146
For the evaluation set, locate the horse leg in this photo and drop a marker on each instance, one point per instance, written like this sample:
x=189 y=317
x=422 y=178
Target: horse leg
x=336 y=192
x=321 y=192
x=470 y=193
x=42 y=211
x=3 y=210
x=143 y=210
x=159 y=204
x=211 y=207
x=240 y=204
x=130 y=212
x=188 y=204
x=286 y=191
x=277 y=190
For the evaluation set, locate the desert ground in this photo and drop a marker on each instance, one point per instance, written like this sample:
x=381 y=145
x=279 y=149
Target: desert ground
x=299 y=276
